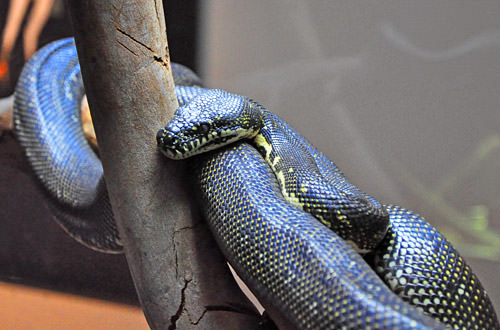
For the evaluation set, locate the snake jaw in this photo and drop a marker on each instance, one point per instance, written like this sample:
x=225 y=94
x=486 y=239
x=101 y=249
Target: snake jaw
x=187 y=146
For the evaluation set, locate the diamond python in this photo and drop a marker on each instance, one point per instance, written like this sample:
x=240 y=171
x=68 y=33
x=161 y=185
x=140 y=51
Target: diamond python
x=304 y=273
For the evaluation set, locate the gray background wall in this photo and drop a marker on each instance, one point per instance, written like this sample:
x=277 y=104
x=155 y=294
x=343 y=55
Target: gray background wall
x=403 y=96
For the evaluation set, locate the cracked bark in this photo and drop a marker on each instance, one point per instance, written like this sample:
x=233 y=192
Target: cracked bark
x=181 y=309
x=177 y=269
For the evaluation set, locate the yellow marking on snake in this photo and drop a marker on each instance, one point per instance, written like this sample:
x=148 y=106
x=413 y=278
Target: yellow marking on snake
x=261 y=141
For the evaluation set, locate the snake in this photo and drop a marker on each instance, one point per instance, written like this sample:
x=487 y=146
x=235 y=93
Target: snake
x=282 y=213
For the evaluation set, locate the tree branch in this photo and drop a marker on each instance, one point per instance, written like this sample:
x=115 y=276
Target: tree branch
x=176 y=266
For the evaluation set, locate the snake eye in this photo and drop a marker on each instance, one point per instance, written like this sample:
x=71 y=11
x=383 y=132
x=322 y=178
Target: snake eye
x=204 y=128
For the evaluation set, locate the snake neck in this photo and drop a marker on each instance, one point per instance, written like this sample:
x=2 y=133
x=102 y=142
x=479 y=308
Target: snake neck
x=269 y=145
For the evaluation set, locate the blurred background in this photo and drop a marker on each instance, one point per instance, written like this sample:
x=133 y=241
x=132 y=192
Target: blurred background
x=404 y=97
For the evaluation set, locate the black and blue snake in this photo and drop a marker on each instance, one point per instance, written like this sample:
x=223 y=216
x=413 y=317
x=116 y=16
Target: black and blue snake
x=254 y=196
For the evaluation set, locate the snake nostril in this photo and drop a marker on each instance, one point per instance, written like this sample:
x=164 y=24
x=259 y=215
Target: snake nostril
x=163 y=138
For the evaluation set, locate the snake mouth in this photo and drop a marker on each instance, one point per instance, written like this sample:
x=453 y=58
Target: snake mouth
x=182 y=150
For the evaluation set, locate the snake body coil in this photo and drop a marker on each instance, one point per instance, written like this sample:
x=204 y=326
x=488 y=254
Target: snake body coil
x=303 y=272
x=215 y=118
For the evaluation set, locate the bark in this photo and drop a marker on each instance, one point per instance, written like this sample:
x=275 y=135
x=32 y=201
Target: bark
x=180 y=276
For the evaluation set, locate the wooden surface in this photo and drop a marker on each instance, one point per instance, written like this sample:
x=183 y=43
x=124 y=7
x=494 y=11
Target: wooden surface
x=24 y=307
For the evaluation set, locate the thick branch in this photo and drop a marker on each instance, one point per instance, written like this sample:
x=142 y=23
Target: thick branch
x=176 y=266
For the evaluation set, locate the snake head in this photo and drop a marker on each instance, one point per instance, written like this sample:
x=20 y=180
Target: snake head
x=211 y=120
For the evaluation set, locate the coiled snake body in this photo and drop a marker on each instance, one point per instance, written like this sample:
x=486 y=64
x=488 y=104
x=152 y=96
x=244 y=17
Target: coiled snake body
x=302 y=271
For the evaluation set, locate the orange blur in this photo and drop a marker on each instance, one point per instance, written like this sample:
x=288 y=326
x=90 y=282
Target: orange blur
x=30 y=308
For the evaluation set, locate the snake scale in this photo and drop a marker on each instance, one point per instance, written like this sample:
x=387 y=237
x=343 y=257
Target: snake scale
x=304 y=274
